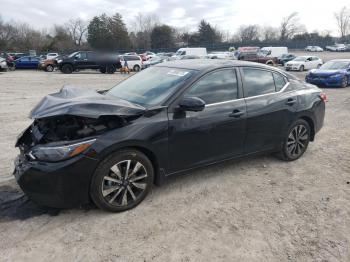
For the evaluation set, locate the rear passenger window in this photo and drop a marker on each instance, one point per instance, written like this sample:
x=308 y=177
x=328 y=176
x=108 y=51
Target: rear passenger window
x=257 y=82
x=216 y=87
x=280 y=81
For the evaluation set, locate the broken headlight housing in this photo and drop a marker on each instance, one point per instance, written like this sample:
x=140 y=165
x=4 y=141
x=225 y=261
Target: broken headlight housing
x=59 y=153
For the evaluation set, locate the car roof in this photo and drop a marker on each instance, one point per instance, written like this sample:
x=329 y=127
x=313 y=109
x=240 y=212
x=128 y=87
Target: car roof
x=207 y=64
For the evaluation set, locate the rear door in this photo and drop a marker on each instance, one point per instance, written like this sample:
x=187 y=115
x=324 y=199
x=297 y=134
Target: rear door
x=270 y=110
x=217 y=132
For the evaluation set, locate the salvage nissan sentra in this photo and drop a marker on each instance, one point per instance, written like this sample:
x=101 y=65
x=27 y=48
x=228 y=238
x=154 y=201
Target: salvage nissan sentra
x=111 y=146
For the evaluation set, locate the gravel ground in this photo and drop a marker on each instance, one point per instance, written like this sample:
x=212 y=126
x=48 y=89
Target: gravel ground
x=255 y=209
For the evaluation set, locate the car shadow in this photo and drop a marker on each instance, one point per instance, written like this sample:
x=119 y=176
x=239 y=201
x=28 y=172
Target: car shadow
x=15 y=205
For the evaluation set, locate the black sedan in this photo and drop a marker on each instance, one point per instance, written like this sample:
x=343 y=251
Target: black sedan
x=111 y=146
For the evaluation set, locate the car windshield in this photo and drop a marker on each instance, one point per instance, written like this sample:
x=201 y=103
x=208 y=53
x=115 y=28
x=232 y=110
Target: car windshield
x=151 y=86
x=300 y=58
x=336 y=65
x=73 y=54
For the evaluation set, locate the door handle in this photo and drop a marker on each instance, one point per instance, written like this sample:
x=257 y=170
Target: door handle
x=291 y=101
x=236 y=113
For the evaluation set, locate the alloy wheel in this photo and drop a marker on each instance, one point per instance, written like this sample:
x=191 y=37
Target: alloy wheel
x=297 y=140
x=124 y=183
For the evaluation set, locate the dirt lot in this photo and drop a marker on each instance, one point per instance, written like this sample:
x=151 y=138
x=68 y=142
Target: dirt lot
x=256 y=209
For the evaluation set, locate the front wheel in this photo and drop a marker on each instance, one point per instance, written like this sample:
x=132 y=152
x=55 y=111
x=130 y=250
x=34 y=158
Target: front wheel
x=67 y=69
x=344 y=82
x=296 y=141
x=136 y=68
x=301 y=68
x=122 y=181
x=49 y=68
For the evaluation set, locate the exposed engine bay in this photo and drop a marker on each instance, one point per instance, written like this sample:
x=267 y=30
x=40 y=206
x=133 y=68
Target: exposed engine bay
x=67 y=128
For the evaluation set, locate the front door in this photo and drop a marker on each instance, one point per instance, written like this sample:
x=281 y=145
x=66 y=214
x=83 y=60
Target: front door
x=217 y=132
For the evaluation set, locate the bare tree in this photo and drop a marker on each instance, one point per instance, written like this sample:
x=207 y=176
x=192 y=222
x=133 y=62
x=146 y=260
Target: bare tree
x=343 y=21
x=248 y=33
x=269 y=33
x=290 y=26
x=142 y=27
x=77 y=29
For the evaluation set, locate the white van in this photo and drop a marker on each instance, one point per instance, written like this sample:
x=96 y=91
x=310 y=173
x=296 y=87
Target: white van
x=197 y=51
x=274 y=51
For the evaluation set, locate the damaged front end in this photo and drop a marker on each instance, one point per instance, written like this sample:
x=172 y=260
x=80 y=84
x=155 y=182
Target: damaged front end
x=57 y=151
x=71 y=116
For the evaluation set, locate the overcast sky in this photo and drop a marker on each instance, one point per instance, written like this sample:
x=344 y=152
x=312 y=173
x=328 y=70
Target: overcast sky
x=226 y=14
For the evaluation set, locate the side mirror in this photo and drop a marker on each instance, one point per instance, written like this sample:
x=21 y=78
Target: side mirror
x=194 y=104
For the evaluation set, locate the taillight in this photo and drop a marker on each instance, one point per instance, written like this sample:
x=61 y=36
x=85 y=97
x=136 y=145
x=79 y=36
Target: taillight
x=323 y=96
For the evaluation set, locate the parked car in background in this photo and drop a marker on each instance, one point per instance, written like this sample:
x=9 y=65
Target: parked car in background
x=274 y=51
x=285 y=58
x=191 y=51
x=17 y=55
x=27 y=62
x=149 y=54
x=221 y=55
x=134 y=62
x=48 y=65
x=313 y=48
x=105 y=63
x=143 y=57
x=334 y=73
x=186 y=57
x=51 y=55
x=336 y=48
x=113 y=146
x=248 y=49
x=302 y=63
x=258 y=58
x=154 y=61
x=3 y=64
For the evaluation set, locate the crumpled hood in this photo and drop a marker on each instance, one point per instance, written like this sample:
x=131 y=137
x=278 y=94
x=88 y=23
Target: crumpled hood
x=324 y=72
x=83 y=102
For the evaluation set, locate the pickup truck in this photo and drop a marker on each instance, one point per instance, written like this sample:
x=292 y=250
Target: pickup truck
x=256 y=57
x=105 y=63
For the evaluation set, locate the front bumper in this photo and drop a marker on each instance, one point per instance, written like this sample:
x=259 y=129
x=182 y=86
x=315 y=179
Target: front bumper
x=325 y=81
x=292 y=67
x=62 y=184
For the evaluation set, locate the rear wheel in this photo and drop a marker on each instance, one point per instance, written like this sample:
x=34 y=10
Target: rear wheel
x=296 y=141
x=301 y=68
x=122 y=181
x=67 y=69
x=103 y=70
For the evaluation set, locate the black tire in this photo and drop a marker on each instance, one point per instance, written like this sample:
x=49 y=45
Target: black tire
x=67 y=69
x=301 y=68
x=344 y=82
x=110 y=69
x=108 y=189
x=296 y=141
x=136 y=68
x=318 y=66
x=49 y=68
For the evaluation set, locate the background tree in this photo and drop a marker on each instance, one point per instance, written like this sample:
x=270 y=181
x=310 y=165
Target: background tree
x=248 y=33
x=162 y=36
x=290 y=26
x=77 y=29
x=343 y=21
x=269 y=34
x=208 y=34
x=142 y=26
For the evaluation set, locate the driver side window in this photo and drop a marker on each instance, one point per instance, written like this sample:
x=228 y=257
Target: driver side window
x=219 y=86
